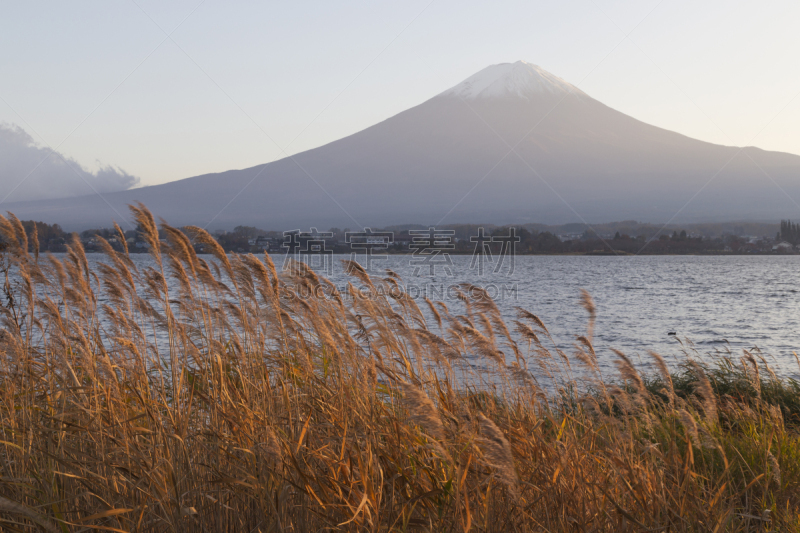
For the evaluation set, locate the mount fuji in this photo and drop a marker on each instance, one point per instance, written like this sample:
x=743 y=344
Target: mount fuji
x=510 y=144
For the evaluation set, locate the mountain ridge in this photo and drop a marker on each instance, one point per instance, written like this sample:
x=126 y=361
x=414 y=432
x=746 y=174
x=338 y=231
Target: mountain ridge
x=448 y=159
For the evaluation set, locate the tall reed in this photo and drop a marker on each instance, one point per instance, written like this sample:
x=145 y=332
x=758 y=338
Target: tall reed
x=214 y=393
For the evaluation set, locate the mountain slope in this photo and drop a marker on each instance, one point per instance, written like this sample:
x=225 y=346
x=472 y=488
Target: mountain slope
x=450 y=158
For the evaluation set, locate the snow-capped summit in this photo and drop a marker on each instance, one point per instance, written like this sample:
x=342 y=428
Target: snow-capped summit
x=511 y=79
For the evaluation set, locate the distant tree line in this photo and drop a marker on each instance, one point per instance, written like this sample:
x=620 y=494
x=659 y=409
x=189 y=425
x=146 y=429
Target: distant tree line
x=52 y=238
x=545 y=242
x=789 y=232
x=679 y=242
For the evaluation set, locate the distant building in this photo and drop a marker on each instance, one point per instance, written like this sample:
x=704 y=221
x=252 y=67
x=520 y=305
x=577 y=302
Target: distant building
x=563 y=237
x=783 y=247
x=270 y=244
x=402 y=241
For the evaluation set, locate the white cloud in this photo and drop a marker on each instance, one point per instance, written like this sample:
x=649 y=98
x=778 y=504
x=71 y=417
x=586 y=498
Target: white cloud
x=27 y=173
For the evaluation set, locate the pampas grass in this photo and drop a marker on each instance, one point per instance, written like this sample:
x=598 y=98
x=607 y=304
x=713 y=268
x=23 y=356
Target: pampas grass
x=497 y=452
x=216 y=393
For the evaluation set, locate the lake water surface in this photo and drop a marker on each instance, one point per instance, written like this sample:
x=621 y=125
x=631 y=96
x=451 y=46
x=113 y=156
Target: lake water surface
x=713 y=301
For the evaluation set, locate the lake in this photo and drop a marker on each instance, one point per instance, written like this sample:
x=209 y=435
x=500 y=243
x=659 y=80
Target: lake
x=713 y=301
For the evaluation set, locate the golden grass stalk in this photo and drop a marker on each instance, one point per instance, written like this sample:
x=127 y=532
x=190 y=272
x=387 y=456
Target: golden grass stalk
x=421 y=411
x=497 y=452
x=213 y=393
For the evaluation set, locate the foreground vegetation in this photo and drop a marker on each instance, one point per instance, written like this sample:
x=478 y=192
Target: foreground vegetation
x=221 y=395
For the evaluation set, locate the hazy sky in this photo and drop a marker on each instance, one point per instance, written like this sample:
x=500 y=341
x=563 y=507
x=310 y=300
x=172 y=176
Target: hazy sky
x=243 y=81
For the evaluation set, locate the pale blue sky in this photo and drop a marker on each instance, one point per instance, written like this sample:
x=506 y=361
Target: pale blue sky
x=726 y=72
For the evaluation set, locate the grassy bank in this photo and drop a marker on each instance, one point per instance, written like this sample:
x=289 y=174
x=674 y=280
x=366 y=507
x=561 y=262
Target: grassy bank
x=207 y=395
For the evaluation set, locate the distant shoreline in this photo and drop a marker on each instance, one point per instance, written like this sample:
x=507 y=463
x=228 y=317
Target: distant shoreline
x=545 y=254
